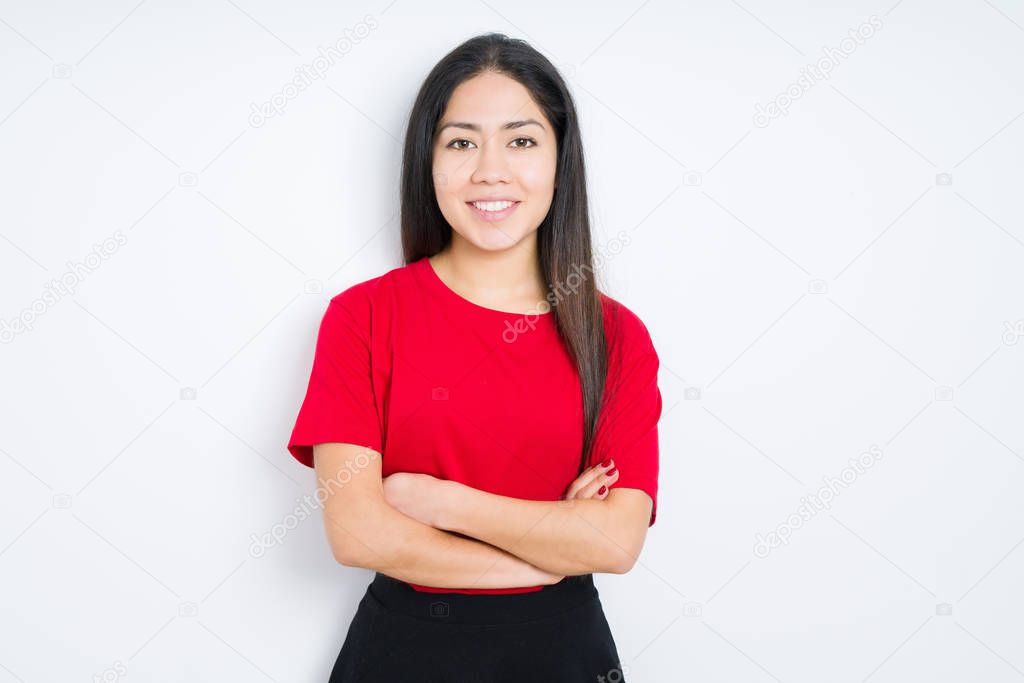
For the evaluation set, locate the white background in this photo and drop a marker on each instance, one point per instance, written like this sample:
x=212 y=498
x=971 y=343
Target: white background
x=814 y=287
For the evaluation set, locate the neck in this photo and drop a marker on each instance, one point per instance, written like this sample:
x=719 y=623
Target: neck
x=506 y=279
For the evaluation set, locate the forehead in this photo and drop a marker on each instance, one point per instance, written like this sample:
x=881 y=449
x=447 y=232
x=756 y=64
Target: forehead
x=491 y=100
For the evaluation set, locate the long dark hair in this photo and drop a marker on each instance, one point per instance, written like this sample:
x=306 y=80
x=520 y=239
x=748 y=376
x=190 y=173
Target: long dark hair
x=563 y=238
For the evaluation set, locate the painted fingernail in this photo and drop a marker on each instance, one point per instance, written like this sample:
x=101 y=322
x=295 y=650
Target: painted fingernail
x=601 y=490
x=606 y=462
x=612 y=471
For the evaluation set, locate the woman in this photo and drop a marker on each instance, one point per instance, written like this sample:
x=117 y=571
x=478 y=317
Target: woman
x=483 y=420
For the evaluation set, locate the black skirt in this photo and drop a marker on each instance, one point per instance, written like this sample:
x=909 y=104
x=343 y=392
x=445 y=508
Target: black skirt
x=558 y=633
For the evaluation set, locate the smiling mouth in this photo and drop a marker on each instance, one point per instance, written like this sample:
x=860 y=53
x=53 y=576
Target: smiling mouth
x=493 y=211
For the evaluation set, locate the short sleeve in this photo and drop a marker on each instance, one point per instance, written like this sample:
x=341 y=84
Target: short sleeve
x=340 y=404
x=628 y=425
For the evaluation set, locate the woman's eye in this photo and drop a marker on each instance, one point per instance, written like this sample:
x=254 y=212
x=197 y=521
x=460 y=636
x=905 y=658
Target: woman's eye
x=454 y=144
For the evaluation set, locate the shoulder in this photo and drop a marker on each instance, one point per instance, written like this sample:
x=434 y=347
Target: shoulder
x=366 y=295
x=626 y=333
x=362 y=307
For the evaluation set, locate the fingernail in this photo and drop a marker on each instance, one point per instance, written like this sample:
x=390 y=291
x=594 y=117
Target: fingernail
x=601 y=490
x=606 y=462
x=611 y=471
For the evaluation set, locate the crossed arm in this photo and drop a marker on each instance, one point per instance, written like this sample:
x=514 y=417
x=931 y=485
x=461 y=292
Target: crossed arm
x=365 y=531
x=568 y=537
x=441 y=533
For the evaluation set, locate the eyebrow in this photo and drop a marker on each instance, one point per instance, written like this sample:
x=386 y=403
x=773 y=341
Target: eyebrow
x=476 y=127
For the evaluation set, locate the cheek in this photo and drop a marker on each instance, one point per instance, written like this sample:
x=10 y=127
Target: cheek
x=537 y=177
x=446 y=198
x=447 y=162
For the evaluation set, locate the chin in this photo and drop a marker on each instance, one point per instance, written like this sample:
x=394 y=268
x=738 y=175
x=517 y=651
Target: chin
x=496 y=240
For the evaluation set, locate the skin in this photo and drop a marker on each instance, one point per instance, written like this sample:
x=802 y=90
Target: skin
x=365 y=531
x=494 y=264
x=572 y=536
x=410 y=493
x=368 y=531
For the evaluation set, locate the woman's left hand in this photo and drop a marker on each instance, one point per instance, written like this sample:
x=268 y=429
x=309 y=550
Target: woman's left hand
x=416 y=495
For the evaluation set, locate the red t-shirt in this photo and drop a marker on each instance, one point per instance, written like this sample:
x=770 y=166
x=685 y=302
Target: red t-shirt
x=440 y=385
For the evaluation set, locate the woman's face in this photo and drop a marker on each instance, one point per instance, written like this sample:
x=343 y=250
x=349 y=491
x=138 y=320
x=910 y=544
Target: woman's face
x=493 y=143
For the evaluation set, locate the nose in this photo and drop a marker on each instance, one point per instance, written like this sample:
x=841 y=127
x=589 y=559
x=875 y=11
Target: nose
x=491 y=163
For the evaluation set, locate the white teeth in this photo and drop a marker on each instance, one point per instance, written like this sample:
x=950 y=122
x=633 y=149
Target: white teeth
x=492 y=206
